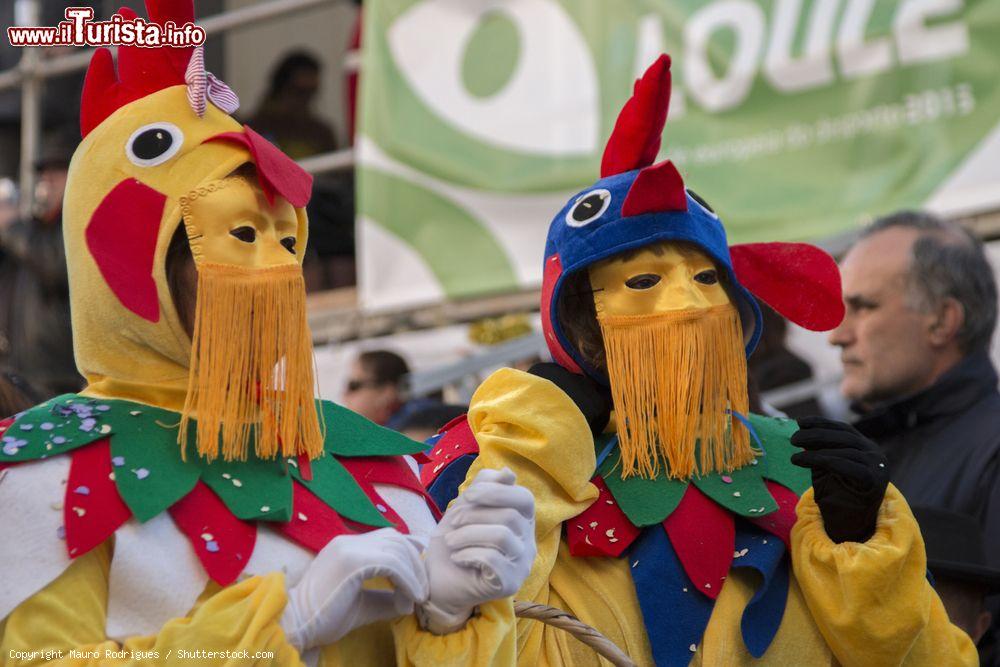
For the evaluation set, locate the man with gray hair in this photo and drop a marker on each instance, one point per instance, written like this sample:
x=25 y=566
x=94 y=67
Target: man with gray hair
x=921 y=308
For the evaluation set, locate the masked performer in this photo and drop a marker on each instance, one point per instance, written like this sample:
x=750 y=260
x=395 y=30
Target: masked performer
x=685 y=529
x=195 y=497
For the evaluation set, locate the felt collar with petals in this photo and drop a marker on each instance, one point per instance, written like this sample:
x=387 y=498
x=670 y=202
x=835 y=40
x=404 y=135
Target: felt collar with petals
x=697 y=514
x=126 y=462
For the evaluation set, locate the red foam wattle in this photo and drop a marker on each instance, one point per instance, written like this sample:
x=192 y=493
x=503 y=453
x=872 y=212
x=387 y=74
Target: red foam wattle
x=550 y=277
x=276 y=171
x=769 y=269
x=121 y=237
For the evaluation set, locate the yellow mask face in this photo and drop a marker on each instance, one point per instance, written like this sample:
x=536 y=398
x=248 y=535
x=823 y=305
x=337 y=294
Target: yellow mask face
x=229 y=221
x=660 y=278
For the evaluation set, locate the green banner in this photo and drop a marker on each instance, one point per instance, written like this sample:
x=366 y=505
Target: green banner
x=795 y=119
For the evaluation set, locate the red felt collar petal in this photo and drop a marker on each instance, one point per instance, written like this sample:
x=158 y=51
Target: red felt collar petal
x=92 y=508
x=457 y=441
x=313 y=523
x=392 y=470
x=602 y=529
x=222 y=542
x=703 y=535
x=779 y=523
x=382 y=506
x=798 y=280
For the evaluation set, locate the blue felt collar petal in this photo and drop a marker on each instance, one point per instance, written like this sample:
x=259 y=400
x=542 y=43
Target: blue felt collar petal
x=762 y=615
x=676 y=615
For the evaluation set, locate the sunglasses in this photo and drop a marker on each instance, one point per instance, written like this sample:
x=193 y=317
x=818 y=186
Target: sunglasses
x=357 y=385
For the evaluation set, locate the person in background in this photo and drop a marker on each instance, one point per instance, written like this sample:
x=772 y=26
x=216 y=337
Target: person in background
x=921 y=308
x=957 y=561
x=421 y=419
x=286 y=115
x=374 y=388
x=35 y=334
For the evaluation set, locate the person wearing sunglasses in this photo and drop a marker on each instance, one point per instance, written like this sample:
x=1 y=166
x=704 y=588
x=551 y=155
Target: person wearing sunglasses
x=374 y=387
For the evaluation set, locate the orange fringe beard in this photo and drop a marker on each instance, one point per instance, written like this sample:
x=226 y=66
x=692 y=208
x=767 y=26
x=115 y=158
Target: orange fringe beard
x=674 y=376
x=252 y=366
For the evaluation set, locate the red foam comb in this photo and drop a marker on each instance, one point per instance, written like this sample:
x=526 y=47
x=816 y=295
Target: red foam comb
x=798 y=280
x=656 y=189
x=141 y=71
x=635 y=140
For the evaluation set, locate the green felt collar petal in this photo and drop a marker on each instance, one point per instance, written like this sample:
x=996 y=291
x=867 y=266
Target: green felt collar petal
x=743 y=492
x=261 y=492
x=644 y=501
x=57 y=426
x=350 y=434
x=778 y=449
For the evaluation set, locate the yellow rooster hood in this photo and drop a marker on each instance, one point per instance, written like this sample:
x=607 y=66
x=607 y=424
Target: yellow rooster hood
x=155 y=140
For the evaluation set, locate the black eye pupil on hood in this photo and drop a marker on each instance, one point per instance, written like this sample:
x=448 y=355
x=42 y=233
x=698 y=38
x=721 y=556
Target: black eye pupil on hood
x=587 y=207
x=152 y=144
x=289 y=243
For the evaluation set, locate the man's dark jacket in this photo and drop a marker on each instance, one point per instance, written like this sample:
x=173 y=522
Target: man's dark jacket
x=943 y=446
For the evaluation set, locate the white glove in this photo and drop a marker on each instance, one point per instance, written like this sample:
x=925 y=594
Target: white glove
x=482 y=550
x=330 y=601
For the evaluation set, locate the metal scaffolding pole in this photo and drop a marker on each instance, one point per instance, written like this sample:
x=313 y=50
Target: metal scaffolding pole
x=28 y=12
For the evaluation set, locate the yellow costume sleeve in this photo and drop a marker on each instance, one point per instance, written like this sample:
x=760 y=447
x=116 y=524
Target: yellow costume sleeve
x=526 y=423
x=872 y=601
x=68 y=616
x=486 y=640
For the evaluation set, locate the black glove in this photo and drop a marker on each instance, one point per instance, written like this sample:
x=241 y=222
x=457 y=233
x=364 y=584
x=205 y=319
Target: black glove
x=849 y=476
x=593 y=400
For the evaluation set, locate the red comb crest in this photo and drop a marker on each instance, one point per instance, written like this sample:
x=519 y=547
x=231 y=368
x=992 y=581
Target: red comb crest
x=656 y=189
x=635 y=140
x=141 y=71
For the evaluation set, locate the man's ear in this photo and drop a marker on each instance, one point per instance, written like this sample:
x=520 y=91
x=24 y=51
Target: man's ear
x=949 y=321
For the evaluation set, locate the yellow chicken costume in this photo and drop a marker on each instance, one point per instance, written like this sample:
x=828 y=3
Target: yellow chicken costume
x=684 y=530
x=174 y=508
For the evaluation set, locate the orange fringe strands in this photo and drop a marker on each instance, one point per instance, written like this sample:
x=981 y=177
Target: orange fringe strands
x=673 y=377
x=252 y=367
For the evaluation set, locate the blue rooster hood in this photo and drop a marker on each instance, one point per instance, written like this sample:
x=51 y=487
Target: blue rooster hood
x=637 y=203
x=605 y=219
